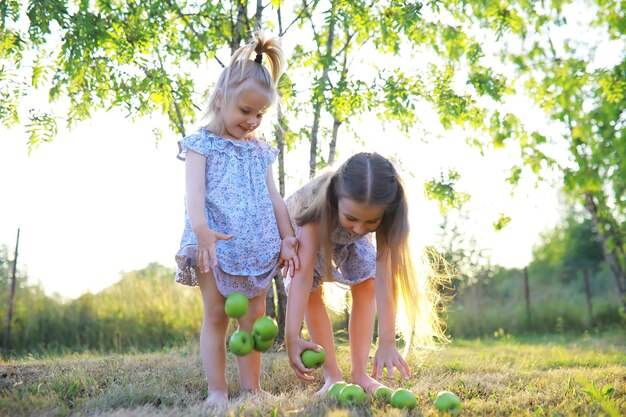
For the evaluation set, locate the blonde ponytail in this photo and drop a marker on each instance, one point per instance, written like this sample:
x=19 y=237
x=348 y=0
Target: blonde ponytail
x=259 y=64
x=275 y=56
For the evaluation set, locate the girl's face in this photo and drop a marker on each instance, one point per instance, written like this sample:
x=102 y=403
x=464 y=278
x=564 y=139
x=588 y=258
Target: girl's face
x=243 y=114
x=359 y=218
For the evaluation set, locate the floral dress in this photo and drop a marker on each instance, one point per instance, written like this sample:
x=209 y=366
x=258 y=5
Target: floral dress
x=237 y=202
x=354 y=256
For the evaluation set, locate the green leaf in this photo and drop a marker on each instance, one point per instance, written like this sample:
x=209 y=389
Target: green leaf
x=502 y=222
x=607 y=390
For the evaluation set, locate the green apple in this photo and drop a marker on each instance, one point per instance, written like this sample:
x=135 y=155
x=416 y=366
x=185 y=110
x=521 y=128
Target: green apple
x=352 y=395
x=261 y=345
x=383 y=394
x=448 y=402
x=403 y=398
x=240 y=343
x=312 y=359
x=236 y=305
x=265 y=327
x=335 y=389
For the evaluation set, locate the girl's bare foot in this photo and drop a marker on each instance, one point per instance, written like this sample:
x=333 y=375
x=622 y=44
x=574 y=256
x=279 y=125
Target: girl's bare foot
x=327 y=384
x=216 y=398
x=366 y=382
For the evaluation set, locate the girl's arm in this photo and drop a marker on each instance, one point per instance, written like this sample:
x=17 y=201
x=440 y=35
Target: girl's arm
x=387 y=355
x=298 y=298
x=289 y=246
x=194 y=190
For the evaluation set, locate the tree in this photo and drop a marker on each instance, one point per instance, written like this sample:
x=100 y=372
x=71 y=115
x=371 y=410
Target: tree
x=128 y=54
x=557 y=63
x=587 y=100
x=358 y=65
x=568 y=248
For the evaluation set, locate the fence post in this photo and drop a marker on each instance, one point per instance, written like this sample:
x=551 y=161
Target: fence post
x=527 y=296
x=588 y=294
x=7 y=331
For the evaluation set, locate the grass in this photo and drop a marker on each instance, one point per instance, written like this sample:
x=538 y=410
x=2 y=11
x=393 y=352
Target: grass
x=559 y=375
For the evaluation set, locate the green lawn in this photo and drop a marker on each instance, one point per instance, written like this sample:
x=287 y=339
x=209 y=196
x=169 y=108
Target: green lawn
x=535 y=376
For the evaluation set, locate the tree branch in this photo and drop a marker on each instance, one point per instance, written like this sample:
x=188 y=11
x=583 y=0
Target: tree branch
x=183 y=17
x=179 y=122
x=304 y=9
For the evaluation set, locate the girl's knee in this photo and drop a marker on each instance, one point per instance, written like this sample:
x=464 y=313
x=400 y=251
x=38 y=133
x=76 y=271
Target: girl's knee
x=214 y=314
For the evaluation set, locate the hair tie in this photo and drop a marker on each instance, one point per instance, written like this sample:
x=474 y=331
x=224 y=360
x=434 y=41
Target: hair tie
x=259 y=58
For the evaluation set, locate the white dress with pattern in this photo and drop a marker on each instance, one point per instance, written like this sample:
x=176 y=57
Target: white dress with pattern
x=237 y=202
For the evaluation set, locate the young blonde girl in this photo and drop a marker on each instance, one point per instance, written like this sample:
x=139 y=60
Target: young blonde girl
x=335 y=216
x=237 y=229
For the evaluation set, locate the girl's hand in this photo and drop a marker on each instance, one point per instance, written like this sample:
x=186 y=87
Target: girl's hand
x=289 y=256
x=207 y=239
x=387 y=356
x=295 y=348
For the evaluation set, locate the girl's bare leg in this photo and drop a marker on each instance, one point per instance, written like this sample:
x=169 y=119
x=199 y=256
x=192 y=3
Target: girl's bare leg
x=212 y=340
x=361 y=331
x=250 y=365
x=321 y=331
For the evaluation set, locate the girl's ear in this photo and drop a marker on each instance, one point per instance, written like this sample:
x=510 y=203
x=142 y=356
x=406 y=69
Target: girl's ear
x=219 y=98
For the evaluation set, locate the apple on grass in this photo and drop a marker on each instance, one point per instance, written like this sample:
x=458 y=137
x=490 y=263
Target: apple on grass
x=312 y=359
x=236 y=305
x=403 y=398
x=240 y=343
x=261 y=345
x=335 y=389
x=383 y=394
x=265 y=327
x=448 y=402
x=352 y=395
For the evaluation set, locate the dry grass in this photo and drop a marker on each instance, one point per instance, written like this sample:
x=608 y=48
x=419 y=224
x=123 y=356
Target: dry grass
x=551 y=376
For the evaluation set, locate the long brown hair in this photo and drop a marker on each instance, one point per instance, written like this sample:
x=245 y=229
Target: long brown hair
x=257 y=64
x=371 y=179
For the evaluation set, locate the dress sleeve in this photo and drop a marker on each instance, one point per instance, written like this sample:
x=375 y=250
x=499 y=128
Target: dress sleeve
x=269 y=154
x=197 y=142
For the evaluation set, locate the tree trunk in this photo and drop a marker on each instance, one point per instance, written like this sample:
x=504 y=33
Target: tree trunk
x=588 y=294
x=336 y=120
x=280 y=145
x=237 y=27
x=270 y=305
x=313 y=148
x=258 y=15
x=333 y=142
x=281 y=307
x=610 y=253
x=318 y=97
